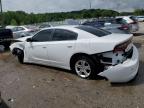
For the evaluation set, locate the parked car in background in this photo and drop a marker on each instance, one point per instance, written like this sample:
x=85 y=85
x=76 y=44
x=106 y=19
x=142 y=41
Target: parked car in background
x=21 y=31
x=85 y=50
x=5 y=37
x=140 y=18
x=71 y=22
x=109 y=25
x=42 y=26
x=115 y=28
x=97 y=24
x=128 y=23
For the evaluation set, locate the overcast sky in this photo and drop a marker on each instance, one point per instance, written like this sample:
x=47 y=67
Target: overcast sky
x=42 y=6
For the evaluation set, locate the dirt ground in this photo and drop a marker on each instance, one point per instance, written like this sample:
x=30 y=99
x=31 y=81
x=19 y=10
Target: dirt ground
x=33 y=86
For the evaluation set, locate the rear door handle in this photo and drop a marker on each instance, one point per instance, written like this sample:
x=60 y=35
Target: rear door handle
x=44 y=47
x=69 y=46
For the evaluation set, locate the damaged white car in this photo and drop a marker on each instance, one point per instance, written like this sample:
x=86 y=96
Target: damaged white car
x=85 y=50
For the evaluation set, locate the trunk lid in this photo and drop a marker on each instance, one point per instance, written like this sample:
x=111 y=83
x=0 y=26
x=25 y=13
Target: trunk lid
x=117 y=38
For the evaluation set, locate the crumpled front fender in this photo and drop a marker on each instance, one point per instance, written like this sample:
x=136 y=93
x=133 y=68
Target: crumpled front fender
x=19 y=45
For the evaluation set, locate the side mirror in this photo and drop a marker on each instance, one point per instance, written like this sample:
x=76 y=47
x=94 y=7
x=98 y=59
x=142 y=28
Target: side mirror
x=29 y=40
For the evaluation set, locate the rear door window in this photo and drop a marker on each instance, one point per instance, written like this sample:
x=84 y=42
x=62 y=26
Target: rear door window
x=63 y=35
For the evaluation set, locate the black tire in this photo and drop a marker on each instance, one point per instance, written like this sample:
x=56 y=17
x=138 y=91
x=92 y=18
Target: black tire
x=94 y=66
x=20 y=56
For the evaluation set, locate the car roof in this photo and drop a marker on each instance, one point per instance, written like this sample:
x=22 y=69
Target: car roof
x=67 y=27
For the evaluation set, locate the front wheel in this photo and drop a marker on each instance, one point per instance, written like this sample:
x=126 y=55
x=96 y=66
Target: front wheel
x=20 y=55
x=85 y=67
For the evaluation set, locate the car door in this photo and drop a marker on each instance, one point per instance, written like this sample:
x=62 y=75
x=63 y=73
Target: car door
x=61 y=47
x=37 y=49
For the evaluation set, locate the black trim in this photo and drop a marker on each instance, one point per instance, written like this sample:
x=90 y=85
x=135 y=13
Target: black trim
x=129 y=53
x=106 y=59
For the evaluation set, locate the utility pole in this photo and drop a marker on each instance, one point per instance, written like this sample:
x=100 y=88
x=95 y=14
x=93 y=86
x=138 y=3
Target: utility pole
x=90 y=5
x=1 y=6
x=1 y=13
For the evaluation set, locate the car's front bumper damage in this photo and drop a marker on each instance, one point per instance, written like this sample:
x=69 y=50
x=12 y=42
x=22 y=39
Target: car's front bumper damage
x=123 y=72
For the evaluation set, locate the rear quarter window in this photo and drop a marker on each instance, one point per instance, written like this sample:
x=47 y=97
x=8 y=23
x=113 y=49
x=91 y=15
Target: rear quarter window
x=95 y=31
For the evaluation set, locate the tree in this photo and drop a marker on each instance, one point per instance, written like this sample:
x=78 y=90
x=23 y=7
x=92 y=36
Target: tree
x=139 y=12
x=13 y=22
x=20 y=17
x=22 y=23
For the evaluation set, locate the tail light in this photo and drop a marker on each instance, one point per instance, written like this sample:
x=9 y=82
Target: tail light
x=122 y=46
x=124 y=27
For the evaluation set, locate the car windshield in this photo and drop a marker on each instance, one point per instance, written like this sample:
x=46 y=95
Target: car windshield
x=95 y=31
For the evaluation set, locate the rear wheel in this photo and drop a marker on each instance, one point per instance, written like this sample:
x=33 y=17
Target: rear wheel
x=85 y=67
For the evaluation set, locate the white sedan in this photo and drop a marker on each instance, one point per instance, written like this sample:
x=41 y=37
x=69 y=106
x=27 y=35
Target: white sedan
x=85 y=50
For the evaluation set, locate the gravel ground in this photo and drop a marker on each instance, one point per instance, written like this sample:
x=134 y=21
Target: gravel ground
x=34 y=86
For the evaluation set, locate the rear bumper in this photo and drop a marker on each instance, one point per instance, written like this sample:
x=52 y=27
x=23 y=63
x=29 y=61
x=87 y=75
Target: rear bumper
x=123 y=72
x=134 y=28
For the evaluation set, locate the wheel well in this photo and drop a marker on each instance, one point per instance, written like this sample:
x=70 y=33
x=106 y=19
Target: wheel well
x=14 y=51
x=81 y=54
